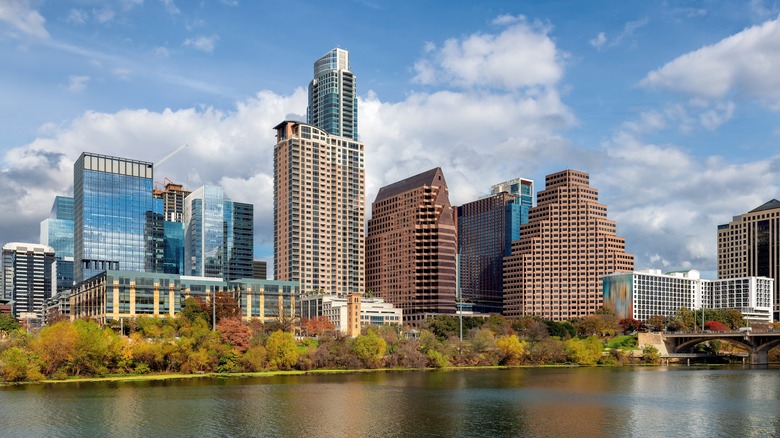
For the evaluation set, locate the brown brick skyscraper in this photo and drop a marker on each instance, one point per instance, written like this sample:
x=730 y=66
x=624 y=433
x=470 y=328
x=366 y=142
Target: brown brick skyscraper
x=555 y=268
x=411 y=246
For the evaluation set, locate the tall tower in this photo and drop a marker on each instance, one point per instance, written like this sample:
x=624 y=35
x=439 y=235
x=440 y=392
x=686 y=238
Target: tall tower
x=57 y=232
x=750 y=246
x=319 y=209
x=217 y=235
x=116 y=222
x=411 y=246
x=333 y=96
x=555 y=268
x=28 y=277
x=173 y=200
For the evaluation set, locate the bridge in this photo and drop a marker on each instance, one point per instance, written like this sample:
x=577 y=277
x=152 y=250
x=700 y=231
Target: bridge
x=757 y=343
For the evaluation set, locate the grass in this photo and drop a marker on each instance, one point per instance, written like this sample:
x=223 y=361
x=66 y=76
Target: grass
x=627 y=342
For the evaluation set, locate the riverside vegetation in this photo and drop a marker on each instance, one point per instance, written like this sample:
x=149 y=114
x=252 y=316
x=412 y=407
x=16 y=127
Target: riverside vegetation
x=188 y=345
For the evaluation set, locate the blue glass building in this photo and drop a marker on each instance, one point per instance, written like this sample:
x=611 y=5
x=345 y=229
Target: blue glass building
x=115 y=216
x=333 y=95
x=486 y=229
x=57 y=232
x=218 y=235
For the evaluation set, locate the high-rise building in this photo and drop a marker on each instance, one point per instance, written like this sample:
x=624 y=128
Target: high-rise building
x=173 y=201
x=218 y=235
x=319 y=209
x=749 y=245
x=486 y=229
x=411 y=246
x=117 y=223
x=259 y=269
x=28 y=277
x=333 y=96
x=57 y=232
x=555 y=270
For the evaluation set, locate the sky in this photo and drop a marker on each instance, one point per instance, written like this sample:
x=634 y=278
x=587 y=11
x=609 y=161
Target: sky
x=672 y=107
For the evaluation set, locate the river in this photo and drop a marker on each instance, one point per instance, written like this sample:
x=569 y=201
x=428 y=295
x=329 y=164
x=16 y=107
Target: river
x=527 y=402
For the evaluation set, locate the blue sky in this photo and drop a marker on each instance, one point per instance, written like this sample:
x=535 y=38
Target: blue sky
x=672 y=107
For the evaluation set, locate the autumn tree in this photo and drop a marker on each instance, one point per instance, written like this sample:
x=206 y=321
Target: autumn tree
x=370 y=349
x=56 y=346
x=281 y=349
x=715 y=326
x=584 y=351
x=656 y=322
x=17 y=364
x=316 y=326
x=630 y=325
x=511 y=349
x=236 y=333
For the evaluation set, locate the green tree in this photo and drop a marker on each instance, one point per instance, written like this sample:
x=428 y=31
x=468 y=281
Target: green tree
x=17 y=364
x=511 y=348
x=584 y=351
x=8 y=324
x=281 y=349
x=436 y=359
x=90 y=348
x=370 y=349
x=193 y=308
x=650 y=354
x=254 y=359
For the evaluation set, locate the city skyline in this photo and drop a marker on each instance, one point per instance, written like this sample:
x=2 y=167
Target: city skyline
x=663 y=105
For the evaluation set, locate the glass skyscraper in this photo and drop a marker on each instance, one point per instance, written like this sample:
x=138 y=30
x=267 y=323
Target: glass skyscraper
x=218 y=235
x=113 y=213
x=333 y=96
x=57 y=232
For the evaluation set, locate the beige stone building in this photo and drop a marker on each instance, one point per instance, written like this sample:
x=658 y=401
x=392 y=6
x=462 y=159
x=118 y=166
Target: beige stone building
x=411 y=246
x=568 y=244
x=319 y=209
x=750 y=246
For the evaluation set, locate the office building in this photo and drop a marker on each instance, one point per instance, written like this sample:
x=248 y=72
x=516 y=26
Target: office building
x=259 y=269
x=565 y=249
x=486 y=229
x=57 y=232
x=372 y=311
x=115 y=295
x=218 y=235
x=333 y=96
x=173 y=200
x=411 y=247
x=28 y=277
x=319 y=209
x=644 y=294
x=116 y=222
x=749 y=245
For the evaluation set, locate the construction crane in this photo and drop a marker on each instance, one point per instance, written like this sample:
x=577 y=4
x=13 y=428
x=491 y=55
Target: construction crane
x=175 y=151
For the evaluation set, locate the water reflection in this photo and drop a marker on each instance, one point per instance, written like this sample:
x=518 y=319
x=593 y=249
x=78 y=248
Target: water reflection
x=517 y=402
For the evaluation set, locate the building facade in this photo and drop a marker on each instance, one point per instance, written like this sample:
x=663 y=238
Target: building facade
x=565 y=249
x=749 y=245
x=117 y=223
x=57 y=232
x=319 y=209
x=114 y=295
x=486 y=229
x=411 y=246
x=28 y=277
x=371 y=311
x=644 y=294
x=333 y=96
x=218 y=235
x=173 y=201
x=259 y=269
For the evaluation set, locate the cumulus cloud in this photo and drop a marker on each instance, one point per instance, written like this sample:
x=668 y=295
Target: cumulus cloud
x=744 y=65
x=23 y=18
x=203 y=43
x=77 y=84
x=522 y=55
x=599 y=41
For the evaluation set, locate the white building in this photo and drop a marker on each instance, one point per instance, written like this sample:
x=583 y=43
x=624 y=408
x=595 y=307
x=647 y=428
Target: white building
x=373 y=311
x=29 y=276
x=643 y=294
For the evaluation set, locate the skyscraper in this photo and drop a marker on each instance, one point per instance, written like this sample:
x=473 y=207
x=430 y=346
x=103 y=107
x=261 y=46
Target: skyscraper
x=411 y=246
x=218 y=235
x=173 y=201
x=333 y=96
x=319 y=209
x=27 y=276
x=486 y=229
x=555 y=269
x=749 y=245
x=57 y=232
x=117 y=224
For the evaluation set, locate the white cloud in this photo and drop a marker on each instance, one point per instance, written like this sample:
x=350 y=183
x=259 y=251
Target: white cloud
x=599 y=41
x=77 y=84
x=170 y=7
x=103 y=15
x=76 y=16
x=744 y=65
x=204 y=44
x=130 y=4
x=161 y=52
x=522 y=55
x=122 y=73
x=722 y=113
x=21 y=16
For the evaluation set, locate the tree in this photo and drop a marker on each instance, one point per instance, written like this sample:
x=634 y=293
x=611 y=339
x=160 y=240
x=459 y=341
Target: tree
x=584 y=351
x=56 y=346
x=562 y=329
x=17 y=364
x=734 y=319
x=715 y=326
x=8 y=324
x=535 y=331
x=650 y=354
x=511 y=349
x=193 y=308
x=630 y=325
x=281 y=350
x=236 y=333
x=370 y=349
x=90 y=348
x=656 y=322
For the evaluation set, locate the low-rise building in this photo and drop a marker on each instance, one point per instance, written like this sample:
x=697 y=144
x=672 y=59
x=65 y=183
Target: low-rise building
x=113 y=295
x=643 y=294
x=372 y=311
